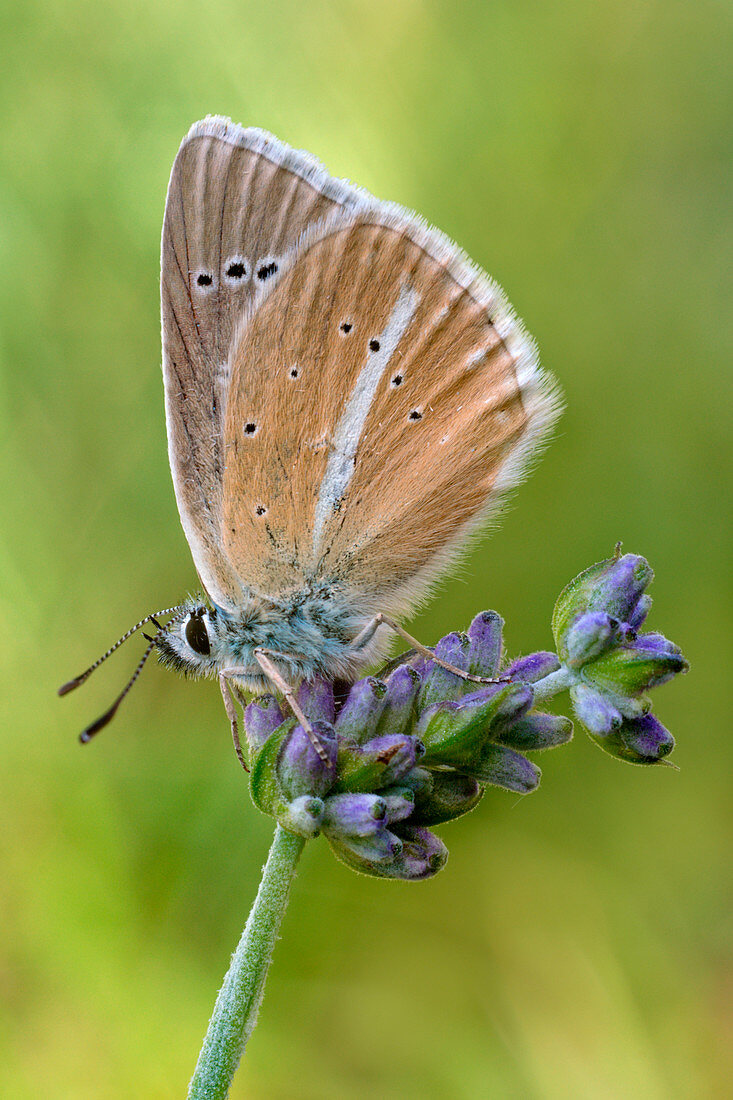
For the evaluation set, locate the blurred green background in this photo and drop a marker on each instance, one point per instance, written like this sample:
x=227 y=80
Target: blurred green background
x=578 y=943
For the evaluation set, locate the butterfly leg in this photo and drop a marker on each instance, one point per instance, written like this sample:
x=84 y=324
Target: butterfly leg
x=232 y=716
x=262 y=656
x=365 y=636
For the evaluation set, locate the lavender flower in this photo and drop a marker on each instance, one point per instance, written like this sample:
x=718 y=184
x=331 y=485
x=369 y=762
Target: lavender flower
x=403 y=754
x=419 y=748
x=607 y=665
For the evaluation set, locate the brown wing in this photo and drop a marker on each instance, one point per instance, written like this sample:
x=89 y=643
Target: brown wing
x=382 y=398
x=238 y=200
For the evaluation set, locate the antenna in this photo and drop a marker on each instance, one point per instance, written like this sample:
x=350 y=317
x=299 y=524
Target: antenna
x=79 y=680
x=87 y=734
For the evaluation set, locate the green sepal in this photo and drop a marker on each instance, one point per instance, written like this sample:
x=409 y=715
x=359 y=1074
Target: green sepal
x=503 y=767
x=574 y=600
x=267 y=794
x=369 y=855
x=363 y=767
x=420 y=781
x=536 y=731
x=451 y=796
x=454 y=732
x=304 y=815
x=629 y=670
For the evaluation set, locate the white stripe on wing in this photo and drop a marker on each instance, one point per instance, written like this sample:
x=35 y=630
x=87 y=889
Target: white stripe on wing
x=340 y=467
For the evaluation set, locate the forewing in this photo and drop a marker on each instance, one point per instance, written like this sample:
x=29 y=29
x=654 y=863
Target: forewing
x=238 y=201
x=383 y=398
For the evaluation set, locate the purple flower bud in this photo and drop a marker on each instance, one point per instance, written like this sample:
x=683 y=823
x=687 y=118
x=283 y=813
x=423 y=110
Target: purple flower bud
x=454 y=649
x=402 y=687
x=438 y=683
x=647 y=739
x=303 y=816
x=587 y=637
x=354 y=815
x=640 y=612
x=632 y=669
x=537 y=731
x=418 y=855
x=513 y=705
x=536 y=666
x=300 y=768
x=368 y=854
x=642 y=740
x=261 y=718
x=400 y=802
x=452 y=795
x=360 y=714
x=505 y=768
x=620 y=586
x=419 y=664
x=423 y=855
x=656 y=645
x=381 y=762
x=485 y=649
x=595 y=711
x=614 y=586
x=315 y=698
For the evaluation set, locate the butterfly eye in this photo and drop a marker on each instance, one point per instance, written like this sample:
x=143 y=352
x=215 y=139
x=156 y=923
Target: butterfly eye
x=196 y=634
x=204 y=279
x=415 y=415
x=397 y=380
x=266 y=270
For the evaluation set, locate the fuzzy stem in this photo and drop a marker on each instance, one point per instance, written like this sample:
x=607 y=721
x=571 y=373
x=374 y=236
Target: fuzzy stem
x=236 y=1008
x=552 y=684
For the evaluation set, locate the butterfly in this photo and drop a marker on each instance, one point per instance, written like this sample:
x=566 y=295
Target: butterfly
x=348 y=399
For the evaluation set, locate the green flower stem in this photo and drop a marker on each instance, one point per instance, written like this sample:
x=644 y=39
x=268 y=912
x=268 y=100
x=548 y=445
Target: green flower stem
x=235 y=1012
x=552 y=684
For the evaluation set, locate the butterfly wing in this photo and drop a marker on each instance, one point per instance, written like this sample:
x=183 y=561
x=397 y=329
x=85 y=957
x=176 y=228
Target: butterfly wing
x=238 y=201
x=382 y=400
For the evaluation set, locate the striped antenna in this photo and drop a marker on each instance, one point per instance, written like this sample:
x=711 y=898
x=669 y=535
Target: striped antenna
x=87 y=734
x=78 y=680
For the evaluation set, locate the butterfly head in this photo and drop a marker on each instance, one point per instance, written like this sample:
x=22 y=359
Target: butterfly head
x=193 y=642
